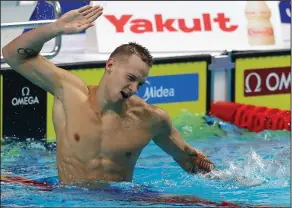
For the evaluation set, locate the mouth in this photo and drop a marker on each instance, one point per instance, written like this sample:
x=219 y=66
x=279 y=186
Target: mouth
x=125 y=95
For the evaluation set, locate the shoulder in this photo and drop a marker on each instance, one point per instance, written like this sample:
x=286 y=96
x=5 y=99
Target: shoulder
x=157 y=116
x=160 y=117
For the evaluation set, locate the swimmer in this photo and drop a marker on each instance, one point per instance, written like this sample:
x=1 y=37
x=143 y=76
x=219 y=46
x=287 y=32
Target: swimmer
x=100 y=130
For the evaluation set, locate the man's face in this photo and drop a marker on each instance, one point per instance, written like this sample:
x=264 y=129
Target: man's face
x=125 y=76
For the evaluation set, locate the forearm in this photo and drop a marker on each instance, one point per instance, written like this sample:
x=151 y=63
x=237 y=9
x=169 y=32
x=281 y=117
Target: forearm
x=30 y=43
x=187 y=163
x=194 y=161
x=169 y=139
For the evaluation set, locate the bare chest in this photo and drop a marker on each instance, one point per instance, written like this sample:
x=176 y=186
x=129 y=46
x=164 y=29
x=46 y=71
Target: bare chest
x=114 y=137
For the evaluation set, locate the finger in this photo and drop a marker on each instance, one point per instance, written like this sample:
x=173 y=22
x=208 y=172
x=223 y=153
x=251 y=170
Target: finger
x=210 y=166
x=93 y=18
x=94 y=12
x=82 y=9
x=86 y=12
x=206 y=166
x=85 y=26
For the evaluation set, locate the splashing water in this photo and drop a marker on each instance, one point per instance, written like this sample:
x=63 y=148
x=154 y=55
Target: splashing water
x=254 y=170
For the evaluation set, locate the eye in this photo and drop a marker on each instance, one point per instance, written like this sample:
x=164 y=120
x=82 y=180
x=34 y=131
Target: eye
x=131 y=78
x=141 y=84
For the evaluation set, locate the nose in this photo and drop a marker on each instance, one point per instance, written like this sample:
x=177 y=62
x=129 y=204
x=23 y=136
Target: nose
x=134 y=88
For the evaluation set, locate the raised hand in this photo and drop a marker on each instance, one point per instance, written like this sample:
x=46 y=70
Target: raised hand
x=78 y=20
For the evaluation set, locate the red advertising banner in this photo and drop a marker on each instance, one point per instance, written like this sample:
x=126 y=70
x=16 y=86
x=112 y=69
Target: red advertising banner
x=267 y=81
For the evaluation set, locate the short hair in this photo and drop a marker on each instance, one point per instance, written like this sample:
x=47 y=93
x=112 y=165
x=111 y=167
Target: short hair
x=133 y=48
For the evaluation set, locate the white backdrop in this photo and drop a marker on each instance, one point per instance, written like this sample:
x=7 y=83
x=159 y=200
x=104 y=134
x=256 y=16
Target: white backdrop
x=130 y=17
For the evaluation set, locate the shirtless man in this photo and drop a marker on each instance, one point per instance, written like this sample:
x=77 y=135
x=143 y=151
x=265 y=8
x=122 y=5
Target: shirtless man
x=100 y=130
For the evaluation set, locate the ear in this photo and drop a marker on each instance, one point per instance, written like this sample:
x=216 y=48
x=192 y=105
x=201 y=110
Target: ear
x=109 y=65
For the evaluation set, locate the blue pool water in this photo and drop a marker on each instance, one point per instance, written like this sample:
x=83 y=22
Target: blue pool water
x=253 y=169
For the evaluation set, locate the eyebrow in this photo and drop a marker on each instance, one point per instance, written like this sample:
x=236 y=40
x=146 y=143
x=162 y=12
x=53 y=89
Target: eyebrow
x=136 y=77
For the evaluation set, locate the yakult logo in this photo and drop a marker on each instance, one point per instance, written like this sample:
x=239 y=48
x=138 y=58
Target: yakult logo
x=267 y=81
x=170 y=89
x=154 y=92
x=25 y=99
x=161 y=24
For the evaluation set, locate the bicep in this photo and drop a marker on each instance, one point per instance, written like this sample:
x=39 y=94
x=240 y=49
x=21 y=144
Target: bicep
x=171 y=142
x=45 y=74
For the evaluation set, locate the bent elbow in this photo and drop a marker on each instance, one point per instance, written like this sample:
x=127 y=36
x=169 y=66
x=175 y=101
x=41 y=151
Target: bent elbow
x=8 y=55
x=5 y=53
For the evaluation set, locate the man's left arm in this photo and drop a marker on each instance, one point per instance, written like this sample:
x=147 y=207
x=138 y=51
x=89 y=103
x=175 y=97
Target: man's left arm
x=170 y=141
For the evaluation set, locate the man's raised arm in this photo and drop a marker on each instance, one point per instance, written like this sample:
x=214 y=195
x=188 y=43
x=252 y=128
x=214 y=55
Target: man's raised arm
x=22 y=54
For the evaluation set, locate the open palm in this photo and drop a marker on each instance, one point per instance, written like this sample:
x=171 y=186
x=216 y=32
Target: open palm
x=80 y=19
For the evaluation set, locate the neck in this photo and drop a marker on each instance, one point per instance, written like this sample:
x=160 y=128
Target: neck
x=105 y=104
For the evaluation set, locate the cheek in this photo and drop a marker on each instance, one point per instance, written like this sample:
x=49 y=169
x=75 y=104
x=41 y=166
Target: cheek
x=121 y=81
